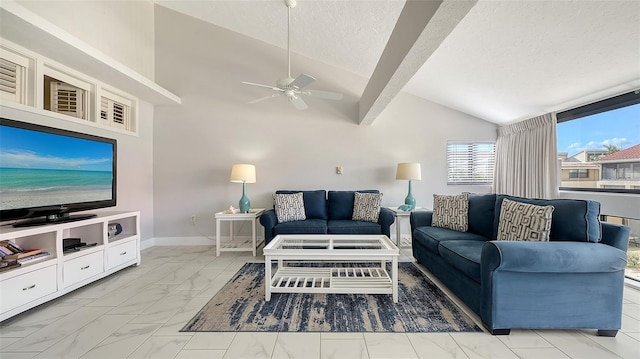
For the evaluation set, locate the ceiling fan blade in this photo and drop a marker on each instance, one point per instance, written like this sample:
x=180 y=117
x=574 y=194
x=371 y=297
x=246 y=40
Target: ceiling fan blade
x=263 y=98
x=302 y=81
x=298 y=102
x=324 y=94
x=267 y=86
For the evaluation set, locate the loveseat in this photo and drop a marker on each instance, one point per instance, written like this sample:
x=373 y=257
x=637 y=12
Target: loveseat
x=326 y=212
x=574 y=280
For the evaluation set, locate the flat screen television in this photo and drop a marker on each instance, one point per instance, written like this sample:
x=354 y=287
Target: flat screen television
x=47 y=173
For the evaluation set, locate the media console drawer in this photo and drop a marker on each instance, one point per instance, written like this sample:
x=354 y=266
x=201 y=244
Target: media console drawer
x=28 y=287
x=121 y=253
x=81 y=268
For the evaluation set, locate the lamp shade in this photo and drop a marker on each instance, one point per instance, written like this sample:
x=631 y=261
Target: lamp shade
x=408 y=171
x=243 y=173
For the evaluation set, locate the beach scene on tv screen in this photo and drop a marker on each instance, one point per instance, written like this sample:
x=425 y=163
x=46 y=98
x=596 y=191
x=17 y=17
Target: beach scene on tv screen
x=43 y=169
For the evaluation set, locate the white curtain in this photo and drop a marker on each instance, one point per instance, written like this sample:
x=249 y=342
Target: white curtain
x=527 y=158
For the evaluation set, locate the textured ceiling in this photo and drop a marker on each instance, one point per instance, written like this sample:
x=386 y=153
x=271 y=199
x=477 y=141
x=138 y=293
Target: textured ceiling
x=350 y=34
x=505 y=61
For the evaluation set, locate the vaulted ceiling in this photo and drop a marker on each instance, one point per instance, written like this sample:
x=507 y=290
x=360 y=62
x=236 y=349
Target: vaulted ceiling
x=504 y=61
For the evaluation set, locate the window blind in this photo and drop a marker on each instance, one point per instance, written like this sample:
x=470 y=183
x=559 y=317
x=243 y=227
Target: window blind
x=8 y=77
x=470 y=163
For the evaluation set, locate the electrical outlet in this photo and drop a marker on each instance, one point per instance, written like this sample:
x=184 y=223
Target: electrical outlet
x=339 y=170
x=193 y=219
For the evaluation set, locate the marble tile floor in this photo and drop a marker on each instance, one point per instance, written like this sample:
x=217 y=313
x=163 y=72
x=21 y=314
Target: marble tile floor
x=138 y=312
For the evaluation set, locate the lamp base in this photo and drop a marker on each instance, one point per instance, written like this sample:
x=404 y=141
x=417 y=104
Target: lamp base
x=409 y=201
x=244 y=202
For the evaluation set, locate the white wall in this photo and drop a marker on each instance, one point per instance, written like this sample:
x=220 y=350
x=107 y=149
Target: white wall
x=196 y=144
x=120 y=29
x=135 y=161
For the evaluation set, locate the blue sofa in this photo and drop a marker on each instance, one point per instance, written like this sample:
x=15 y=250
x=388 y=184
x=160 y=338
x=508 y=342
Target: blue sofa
x=573 y=281
x=327 y=212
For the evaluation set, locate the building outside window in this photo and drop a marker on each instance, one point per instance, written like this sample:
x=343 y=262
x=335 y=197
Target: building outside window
x=599 y=151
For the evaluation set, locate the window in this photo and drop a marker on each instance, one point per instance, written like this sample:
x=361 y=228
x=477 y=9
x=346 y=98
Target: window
x=604 y=136
x=65 y=98
x=115 y=111
x=470 y=163
x=633 y=253
x=13 y=77
x=578 y=173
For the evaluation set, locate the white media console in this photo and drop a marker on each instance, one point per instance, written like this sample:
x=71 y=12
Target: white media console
x=44 y=279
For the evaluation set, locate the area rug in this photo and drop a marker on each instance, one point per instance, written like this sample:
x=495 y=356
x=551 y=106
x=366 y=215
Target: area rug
x=240 y=306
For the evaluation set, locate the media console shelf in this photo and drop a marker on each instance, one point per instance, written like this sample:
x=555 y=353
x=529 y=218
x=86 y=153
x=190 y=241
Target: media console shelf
x=47 y=278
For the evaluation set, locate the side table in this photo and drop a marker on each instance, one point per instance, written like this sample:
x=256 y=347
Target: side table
x=402 y=215
x=251 y=216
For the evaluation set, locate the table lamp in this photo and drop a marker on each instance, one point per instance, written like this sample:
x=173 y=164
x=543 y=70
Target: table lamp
x=243 y=173
x=408 y=171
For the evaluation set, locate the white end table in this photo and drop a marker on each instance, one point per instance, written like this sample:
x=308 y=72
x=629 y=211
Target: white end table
x=251 y=216
x=403 y=215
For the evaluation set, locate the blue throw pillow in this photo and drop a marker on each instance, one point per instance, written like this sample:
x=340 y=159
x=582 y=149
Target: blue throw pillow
x=573 y=219
x=315 y=203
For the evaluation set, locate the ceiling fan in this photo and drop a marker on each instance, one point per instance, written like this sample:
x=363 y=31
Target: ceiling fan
x=290 y=87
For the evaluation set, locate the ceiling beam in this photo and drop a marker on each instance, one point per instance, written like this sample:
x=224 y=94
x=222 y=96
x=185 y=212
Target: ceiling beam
x=419 y=31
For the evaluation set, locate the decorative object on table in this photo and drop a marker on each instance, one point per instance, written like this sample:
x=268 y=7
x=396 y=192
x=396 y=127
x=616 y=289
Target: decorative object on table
x=292 y=88
x=240 y=306
x=243 y=173
x=231 y=210
x=408 y=171
x=114 y=229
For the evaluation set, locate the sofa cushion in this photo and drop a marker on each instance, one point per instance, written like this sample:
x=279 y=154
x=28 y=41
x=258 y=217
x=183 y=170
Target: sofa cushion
x=464 y=256
x=430 y=237
x=352 y=227
x=572 y=220
x=315 y=203
x=524 y=222
x=481 y=213
x=366 y=207
x=451 y=211
x=340 y=203
x=289 y=207
x=309 y=226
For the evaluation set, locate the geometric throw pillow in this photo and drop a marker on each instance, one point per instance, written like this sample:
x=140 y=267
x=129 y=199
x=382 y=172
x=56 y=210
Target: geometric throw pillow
x=451 y=211
x=524 y=222
x=289 y=207
x=366 y=207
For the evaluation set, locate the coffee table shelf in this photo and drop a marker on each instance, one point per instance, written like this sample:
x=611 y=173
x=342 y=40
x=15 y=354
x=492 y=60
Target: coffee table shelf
x=358 y=280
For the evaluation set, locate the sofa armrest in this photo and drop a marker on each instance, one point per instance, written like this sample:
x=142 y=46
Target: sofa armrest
x=616 y=235
x=385 y=220
x=420 y=219
x=551 y=285
x=551 y=257
x=268 y=220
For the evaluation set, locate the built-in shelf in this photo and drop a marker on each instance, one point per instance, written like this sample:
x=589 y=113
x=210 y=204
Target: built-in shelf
x=31 y=31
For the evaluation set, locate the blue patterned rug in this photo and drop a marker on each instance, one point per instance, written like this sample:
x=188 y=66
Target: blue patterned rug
x=240 y=306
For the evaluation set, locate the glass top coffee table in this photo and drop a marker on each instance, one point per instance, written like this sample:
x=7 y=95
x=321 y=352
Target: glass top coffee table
x=301 y=249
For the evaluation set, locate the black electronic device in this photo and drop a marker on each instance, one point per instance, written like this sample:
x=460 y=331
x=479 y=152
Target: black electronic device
x=48 y=173
x=71 y=243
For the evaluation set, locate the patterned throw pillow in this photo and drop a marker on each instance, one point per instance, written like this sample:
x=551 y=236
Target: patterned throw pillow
x=451 y=212
x=524 y=222
x=289 y=207
x=366 y=207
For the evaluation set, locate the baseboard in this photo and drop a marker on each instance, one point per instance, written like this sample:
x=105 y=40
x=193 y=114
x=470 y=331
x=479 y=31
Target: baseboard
x=186 y=241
